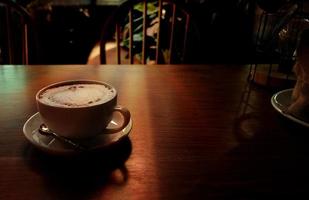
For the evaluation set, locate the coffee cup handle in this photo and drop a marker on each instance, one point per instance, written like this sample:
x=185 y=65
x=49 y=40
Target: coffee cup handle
x=126 y=119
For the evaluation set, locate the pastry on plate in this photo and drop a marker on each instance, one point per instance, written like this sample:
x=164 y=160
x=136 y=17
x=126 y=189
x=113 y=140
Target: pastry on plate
x=300 y=97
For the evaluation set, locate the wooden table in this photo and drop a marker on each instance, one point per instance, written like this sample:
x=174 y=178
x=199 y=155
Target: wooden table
x=199 y=132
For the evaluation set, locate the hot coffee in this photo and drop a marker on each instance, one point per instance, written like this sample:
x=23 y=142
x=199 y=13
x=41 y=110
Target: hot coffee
x=80 y=109
x=77 y=95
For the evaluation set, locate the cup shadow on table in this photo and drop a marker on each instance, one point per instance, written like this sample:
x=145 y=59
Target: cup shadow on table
x=81 y=176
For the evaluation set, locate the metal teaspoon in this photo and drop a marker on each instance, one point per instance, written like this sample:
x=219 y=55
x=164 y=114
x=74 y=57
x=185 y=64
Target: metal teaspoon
x=45 y=131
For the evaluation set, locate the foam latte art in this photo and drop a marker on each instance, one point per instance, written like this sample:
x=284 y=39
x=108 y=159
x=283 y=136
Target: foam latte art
x=77 y=95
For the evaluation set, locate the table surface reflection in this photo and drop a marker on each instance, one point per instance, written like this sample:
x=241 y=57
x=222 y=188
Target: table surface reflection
x=198 y=132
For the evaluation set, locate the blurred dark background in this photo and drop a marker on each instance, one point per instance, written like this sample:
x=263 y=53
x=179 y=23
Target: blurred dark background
x=68 y=30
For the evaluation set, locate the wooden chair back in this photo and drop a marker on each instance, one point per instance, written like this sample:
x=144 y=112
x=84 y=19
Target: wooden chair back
x=14 y=33
x=147 y=32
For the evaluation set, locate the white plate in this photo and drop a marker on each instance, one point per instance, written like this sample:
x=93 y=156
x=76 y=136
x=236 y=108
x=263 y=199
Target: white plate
x=51 y=145
x=281 y=101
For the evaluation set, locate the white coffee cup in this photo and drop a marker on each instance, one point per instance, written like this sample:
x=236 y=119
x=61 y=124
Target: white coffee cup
x=80 y=109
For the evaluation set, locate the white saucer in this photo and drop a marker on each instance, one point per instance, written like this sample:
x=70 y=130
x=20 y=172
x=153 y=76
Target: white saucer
x=281 y=101
x=51 y=145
